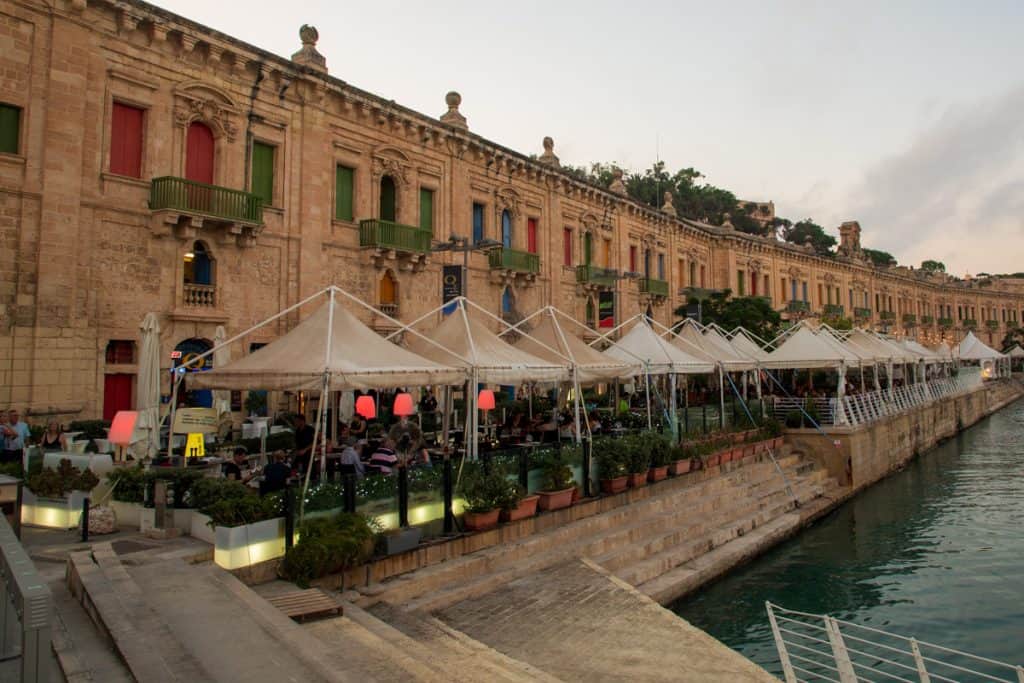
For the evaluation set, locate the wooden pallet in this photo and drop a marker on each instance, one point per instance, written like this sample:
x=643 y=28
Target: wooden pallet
x=306 y=604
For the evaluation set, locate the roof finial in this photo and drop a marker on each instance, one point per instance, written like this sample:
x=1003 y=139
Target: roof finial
x=308 y=55
x=548 y=157
x=667 y=206
x=617 y=186
x=453 y=117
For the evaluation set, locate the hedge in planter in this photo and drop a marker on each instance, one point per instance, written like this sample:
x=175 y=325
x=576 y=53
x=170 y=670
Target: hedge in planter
x=638 y=460
x=328 y=545
x=658 y=450
x=611 y=465
x=558 y=485
x=135 y=485
x=486 y=494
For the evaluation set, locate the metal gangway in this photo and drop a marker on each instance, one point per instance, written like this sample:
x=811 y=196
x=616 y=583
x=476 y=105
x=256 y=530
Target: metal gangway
x=817 y=647
x=26 y=610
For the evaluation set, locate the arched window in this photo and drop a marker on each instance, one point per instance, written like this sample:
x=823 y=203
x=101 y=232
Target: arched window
x=388 y=293
x=506 y=229
x=199 y=153
x=387 y=199
x=591 y=317
x=198 y=266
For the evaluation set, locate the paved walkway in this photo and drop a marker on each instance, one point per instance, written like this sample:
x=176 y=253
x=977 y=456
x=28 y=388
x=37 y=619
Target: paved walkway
x=578 y=623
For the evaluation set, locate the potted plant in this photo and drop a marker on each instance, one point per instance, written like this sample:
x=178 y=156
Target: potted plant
x=611 y=467
x=328 y=545
x=658 y=449
x=519 y=504
x=711 y=454
x=681 y=459
x=638 y=461
x=53 y=497
x=485 y=493
x=557 y=487
x=794 y=419
x=773 y=431
x=247 y=528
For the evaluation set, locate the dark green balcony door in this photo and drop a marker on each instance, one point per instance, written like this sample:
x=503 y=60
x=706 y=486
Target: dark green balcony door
x=387 y=199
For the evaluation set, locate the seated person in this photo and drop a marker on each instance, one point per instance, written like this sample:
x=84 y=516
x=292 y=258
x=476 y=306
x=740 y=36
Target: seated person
x=53 y=438
x=357 y=427
x=237 y=468
x=276 y=474
x=350 y=458
x=595 y=423
x=384 y=457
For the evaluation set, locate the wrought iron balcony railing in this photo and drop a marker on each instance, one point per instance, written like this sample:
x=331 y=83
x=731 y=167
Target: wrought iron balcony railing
x=374 y=232
x=927 y=320
x=833 y=311
x=179 y=194
x=595 y=275
x=862 y=313
x=503 y=258
x=797 y=306
x=649 y=285
x=945 y=322
x=909 y=319
x=969 y=323
x=887 y=315
x=992 y=324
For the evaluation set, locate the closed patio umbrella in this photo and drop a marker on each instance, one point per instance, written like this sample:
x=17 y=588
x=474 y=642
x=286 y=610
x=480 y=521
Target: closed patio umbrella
x=221 y=357
x=146 y=440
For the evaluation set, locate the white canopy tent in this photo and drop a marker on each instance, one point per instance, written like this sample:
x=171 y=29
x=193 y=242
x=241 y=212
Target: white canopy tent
x=745 y=344
x=973 y=349
x=1015 y=352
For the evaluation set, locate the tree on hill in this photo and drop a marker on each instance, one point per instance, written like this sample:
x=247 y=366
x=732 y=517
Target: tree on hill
x=930 y=266
x=881 y=259
x=753 y=313
x=809 y=232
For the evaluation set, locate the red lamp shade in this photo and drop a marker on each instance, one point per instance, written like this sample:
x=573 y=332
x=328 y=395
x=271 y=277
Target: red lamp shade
x=403 y=405
x=486 y=400
x=366 y=407
x=122 y=427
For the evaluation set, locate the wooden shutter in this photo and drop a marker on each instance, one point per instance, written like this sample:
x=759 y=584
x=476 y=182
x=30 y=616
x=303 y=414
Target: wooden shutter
x=126 y=140
x=344 y=179
x=10 y=128
x=531 y=235
x=199 y=151
x=427 y=209
x=263 y=172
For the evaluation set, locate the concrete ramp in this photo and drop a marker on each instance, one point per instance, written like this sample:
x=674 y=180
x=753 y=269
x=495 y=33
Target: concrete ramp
x=577 y=622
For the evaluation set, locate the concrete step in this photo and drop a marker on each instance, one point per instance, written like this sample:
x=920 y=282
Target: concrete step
x=83 y=653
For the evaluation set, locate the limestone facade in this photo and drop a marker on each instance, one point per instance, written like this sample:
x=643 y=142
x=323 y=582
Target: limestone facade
x=89 y=249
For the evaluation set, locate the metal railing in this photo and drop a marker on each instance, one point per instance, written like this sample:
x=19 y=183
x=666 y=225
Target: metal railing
x=820 y=408
x=374 y=232
x=26 y=600
x=833 y=310
x=594 y=275
x=909 y=319
x=992 y=324
x=969 y=323
x=927 y=320
x=817 y=647
x=650 y=285
x=862 y=313
x=200 y=295
x=180 y=194
x=946 y=322
x=504 y=258
x=886 y=315
x=798 y=306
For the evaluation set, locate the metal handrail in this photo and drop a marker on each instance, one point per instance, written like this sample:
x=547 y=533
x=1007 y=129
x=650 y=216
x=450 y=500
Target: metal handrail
x=170 y=192
x=27 y=599
x=838 y=662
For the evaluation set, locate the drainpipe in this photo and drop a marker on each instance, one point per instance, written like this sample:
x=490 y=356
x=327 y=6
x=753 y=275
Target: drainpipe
x=249 y=118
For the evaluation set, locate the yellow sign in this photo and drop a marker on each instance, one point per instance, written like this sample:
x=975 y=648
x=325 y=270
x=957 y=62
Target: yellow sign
x=195 y=421
x=195 y=446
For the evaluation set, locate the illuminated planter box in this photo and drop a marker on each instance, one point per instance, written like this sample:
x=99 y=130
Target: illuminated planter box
x=199 y=527
x=182 y=519
x=241 y=546
x=52 y=513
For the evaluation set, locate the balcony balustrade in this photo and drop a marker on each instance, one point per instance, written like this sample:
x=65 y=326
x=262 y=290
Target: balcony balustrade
x=798 y=306
x=522 y=262
x=381 y=234
x=654 y=287
x=595 y=275
x=204 y=296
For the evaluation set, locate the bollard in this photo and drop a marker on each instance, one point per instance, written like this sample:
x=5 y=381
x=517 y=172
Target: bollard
x=403 y=496
x=289 y=517
x=449 y=515
x=85 y=520
x=159 y=504
x=348 y=483
x=588 y=448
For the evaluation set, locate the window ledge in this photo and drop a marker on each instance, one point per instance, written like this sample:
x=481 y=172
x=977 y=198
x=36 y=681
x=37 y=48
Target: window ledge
x=343 y=223
x=12 y=159
x=274 y=209
x=126 y=179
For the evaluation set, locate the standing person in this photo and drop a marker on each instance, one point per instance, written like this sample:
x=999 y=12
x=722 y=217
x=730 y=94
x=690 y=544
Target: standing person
x=304 y=434
x=53 y=438
x=16 y=437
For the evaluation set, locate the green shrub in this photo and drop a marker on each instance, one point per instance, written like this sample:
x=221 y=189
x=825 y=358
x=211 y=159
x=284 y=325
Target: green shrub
x=11 y=469
x=638 y=455
x=772 y=429
x=207 y=492
x=556 y=475
x=328 y=545
x=240 y=510
x=794 y=419
x=325 y=496
x=91 y=429
x=135 y=485
x=611 y=458
x=57 y=483
x=485 y=491
x=657 y=447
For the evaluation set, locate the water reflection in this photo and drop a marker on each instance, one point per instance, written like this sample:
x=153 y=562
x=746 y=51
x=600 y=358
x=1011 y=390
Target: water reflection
x=934 y=551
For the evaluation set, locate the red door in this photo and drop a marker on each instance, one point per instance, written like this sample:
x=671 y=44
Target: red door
x=199 y=153
x=531 y=235
x=117 y=394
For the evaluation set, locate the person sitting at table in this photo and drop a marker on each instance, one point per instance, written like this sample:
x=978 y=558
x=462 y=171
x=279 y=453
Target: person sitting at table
x=350 y=460
x=276 y=474
x=53 y=438
x=595 y=424
x=239 y=461
x=384 y=458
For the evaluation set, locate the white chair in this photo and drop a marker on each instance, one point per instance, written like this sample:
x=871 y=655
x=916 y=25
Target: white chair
x=102 y=445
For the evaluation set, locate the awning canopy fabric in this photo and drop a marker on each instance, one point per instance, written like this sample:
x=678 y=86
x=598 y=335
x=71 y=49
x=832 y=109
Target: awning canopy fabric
x=1016 y=352
x=806 y=349
x=660 y=356
x=744 y=345
x=878 y=350
x=972 y=348
x=709 y=345
x=549 y=336
x=465 y=341
x=358 y=358
x=920 y=351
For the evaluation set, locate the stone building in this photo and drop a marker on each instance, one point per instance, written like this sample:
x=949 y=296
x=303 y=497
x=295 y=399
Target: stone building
x=148 y=163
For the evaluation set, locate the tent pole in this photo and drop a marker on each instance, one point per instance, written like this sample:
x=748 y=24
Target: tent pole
x=317 y=434
x=674 y=418
x=576 y=394
x=721 y=396
x=647 y=389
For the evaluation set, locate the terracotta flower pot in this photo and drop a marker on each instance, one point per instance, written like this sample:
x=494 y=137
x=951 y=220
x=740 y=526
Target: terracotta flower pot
x=481 y=521
x=657 y=473
x=555 y=500
x=738 y=437
x=680 y=467
x=527 y=508
x=748 y=450
x=713 y=460
x=777 y=441
x=616 y=485
x=637 y=480
x=760 y=446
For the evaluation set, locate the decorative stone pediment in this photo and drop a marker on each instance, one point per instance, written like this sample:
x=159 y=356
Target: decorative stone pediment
x=391 y=162
x=508 y=198
x=794 y=272
x=197 y=101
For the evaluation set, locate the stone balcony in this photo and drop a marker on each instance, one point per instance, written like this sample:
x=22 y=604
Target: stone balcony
x=189 y=209
x=653 y=287
x=510 y=264
x=596 y=277
x=405 y=245
x=202 y=296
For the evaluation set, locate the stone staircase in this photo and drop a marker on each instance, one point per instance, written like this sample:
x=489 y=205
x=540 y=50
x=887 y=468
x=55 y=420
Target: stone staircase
x=652 y=543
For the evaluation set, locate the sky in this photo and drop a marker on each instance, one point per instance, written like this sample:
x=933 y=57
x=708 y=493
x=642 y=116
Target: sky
x=907 y=117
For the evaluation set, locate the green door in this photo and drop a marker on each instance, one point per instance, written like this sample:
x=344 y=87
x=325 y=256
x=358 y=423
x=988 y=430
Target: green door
x=263 y=172
x=387 y=199
x=427 y=210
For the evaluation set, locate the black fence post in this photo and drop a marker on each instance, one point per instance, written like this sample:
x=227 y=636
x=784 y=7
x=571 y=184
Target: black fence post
x=449 y=495
x=704 y=416
x=85 y=520
x=348 y=488
x=524 y=468
x=403 y=496
x=588 y=448
x=17 y=511
x=289 y=516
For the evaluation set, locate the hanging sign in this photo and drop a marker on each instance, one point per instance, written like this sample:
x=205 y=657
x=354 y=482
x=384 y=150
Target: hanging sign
x=195 y=421
x=451 y=286
x=195 y=446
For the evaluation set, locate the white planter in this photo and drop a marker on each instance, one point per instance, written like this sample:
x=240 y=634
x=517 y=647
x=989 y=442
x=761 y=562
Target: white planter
x=52 y=513
x=243 y=546
x=200 y=528
x=127 y=513
x=182 y=519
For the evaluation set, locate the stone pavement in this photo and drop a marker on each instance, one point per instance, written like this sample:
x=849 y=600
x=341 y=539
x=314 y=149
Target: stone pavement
x=577 y=622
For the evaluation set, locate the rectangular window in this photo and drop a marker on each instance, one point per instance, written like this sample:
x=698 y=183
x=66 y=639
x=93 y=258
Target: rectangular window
x=263 y=172
x=120 y=351
x=126 y=140
x=821 y=297
x=632 y=258
x=607 y=260
x=427 y=210
x=567 y=246
x=680 y=271
x=10 y=128
x=531 y=235
x=693 y=274
x=890 y=305
x=344 y=186
x=753 y=284
x=851 y=301
x=741 y=286
x=478 y=222
x=661 y=266
x=785 y=295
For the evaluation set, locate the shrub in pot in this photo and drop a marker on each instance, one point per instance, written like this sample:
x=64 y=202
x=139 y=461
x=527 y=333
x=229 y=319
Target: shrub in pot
x=327 y=545
x=486 y=492
x=658 y=449
x=519 y=504
x=611 y=466
x=681 y=459
x=794 y=419
x=638 y=461
x=558 y=485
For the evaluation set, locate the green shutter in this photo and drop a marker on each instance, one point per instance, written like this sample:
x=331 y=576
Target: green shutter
x=427 y=209
x=263 y=172
x=10 y=127
x=343 y=183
